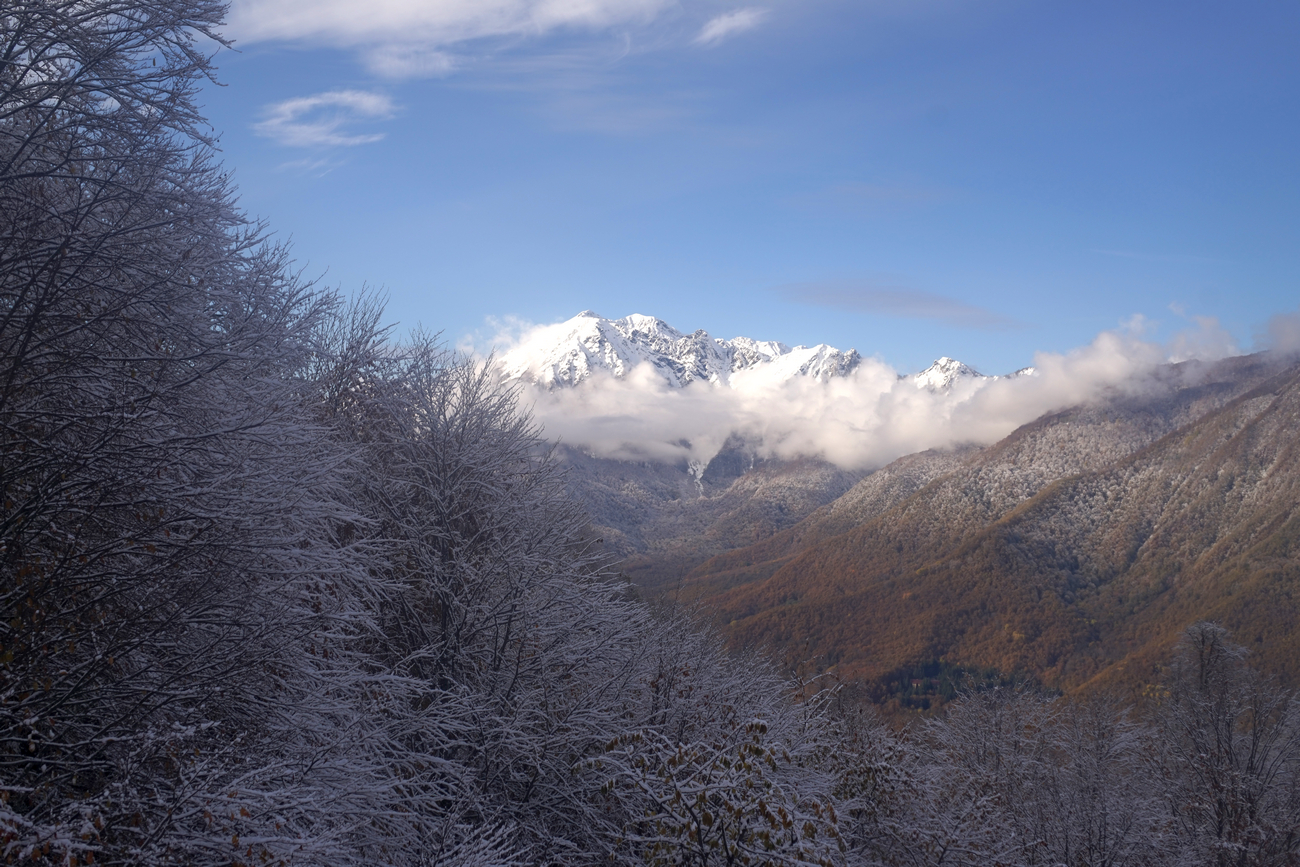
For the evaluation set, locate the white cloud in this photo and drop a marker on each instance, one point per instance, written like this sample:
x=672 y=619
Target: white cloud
x=858 y=421
x=1283 y=333
x=316 y=168
x=323 y=120
x=408 y=61
x=1208 y=341
x=501 y=333
x=729 y=24
x=407 y=37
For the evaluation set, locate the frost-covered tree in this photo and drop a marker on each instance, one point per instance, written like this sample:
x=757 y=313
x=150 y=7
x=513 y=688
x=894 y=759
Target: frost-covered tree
x=505 y=661
x=736 y=800
x=1231 y=756
x=1098 y=802
x=725 y=769
x=970 y=776
x=500 y=652
x=161 y=532
x=1009 y=776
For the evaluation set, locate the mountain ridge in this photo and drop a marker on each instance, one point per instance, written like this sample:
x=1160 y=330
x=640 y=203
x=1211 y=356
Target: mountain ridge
x=572 y=352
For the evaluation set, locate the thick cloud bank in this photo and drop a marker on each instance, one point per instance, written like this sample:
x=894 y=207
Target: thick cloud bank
x=862 y=420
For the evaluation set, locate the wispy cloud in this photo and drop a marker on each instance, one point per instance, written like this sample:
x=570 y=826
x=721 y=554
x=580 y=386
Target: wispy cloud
x=324 y=120
x=406 y=38
x=729 y=24
x=409 y=61
x=584 y=87
x=315 y=168
x=892 y=193
x=868 y=296
x=1155 y=257
x=868 y=199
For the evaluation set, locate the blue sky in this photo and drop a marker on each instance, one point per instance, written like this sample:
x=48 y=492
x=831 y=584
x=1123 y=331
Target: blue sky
x=912 y=179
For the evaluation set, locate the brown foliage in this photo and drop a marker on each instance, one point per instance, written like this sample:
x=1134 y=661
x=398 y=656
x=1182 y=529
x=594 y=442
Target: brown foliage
x=1082 y=573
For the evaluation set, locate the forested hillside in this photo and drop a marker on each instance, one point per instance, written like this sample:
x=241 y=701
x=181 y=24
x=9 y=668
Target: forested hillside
x=1075 y=551
x=280 y=587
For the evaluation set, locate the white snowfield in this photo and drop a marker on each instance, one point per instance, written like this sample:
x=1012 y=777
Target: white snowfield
x=571 y=352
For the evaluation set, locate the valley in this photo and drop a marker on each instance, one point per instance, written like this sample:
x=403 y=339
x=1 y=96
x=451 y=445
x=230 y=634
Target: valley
x=1073 y=551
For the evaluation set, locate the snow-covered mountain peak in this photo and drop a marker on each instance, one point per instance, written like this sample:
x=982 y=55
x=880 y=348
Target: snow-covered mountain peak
x=653 y=326
x=572 y=351
x=944 y=374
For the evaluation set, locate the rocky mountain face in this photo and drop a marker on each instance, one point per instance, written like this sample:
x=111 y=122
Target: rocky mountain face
x=1076 y=549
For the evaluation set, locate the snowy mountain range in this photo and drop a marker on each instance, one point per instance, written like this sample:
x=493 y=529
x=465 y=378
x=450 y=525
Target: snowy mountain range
x=571 y=352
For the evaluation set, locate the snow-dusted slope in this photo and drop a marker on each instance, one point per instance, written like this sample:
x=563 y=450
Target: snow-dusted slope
x=572 y=351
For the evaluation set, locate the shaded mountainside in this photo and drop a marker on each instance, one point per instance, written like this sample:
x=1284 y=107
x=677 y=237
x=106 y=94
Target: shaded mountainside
x=663 y=520
x=1076 y=549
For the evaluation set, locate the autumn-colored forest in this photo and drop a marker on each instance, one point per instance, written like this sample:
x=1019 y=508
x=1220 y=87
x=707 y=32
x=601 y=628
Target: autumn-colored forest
x=1081 y=580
